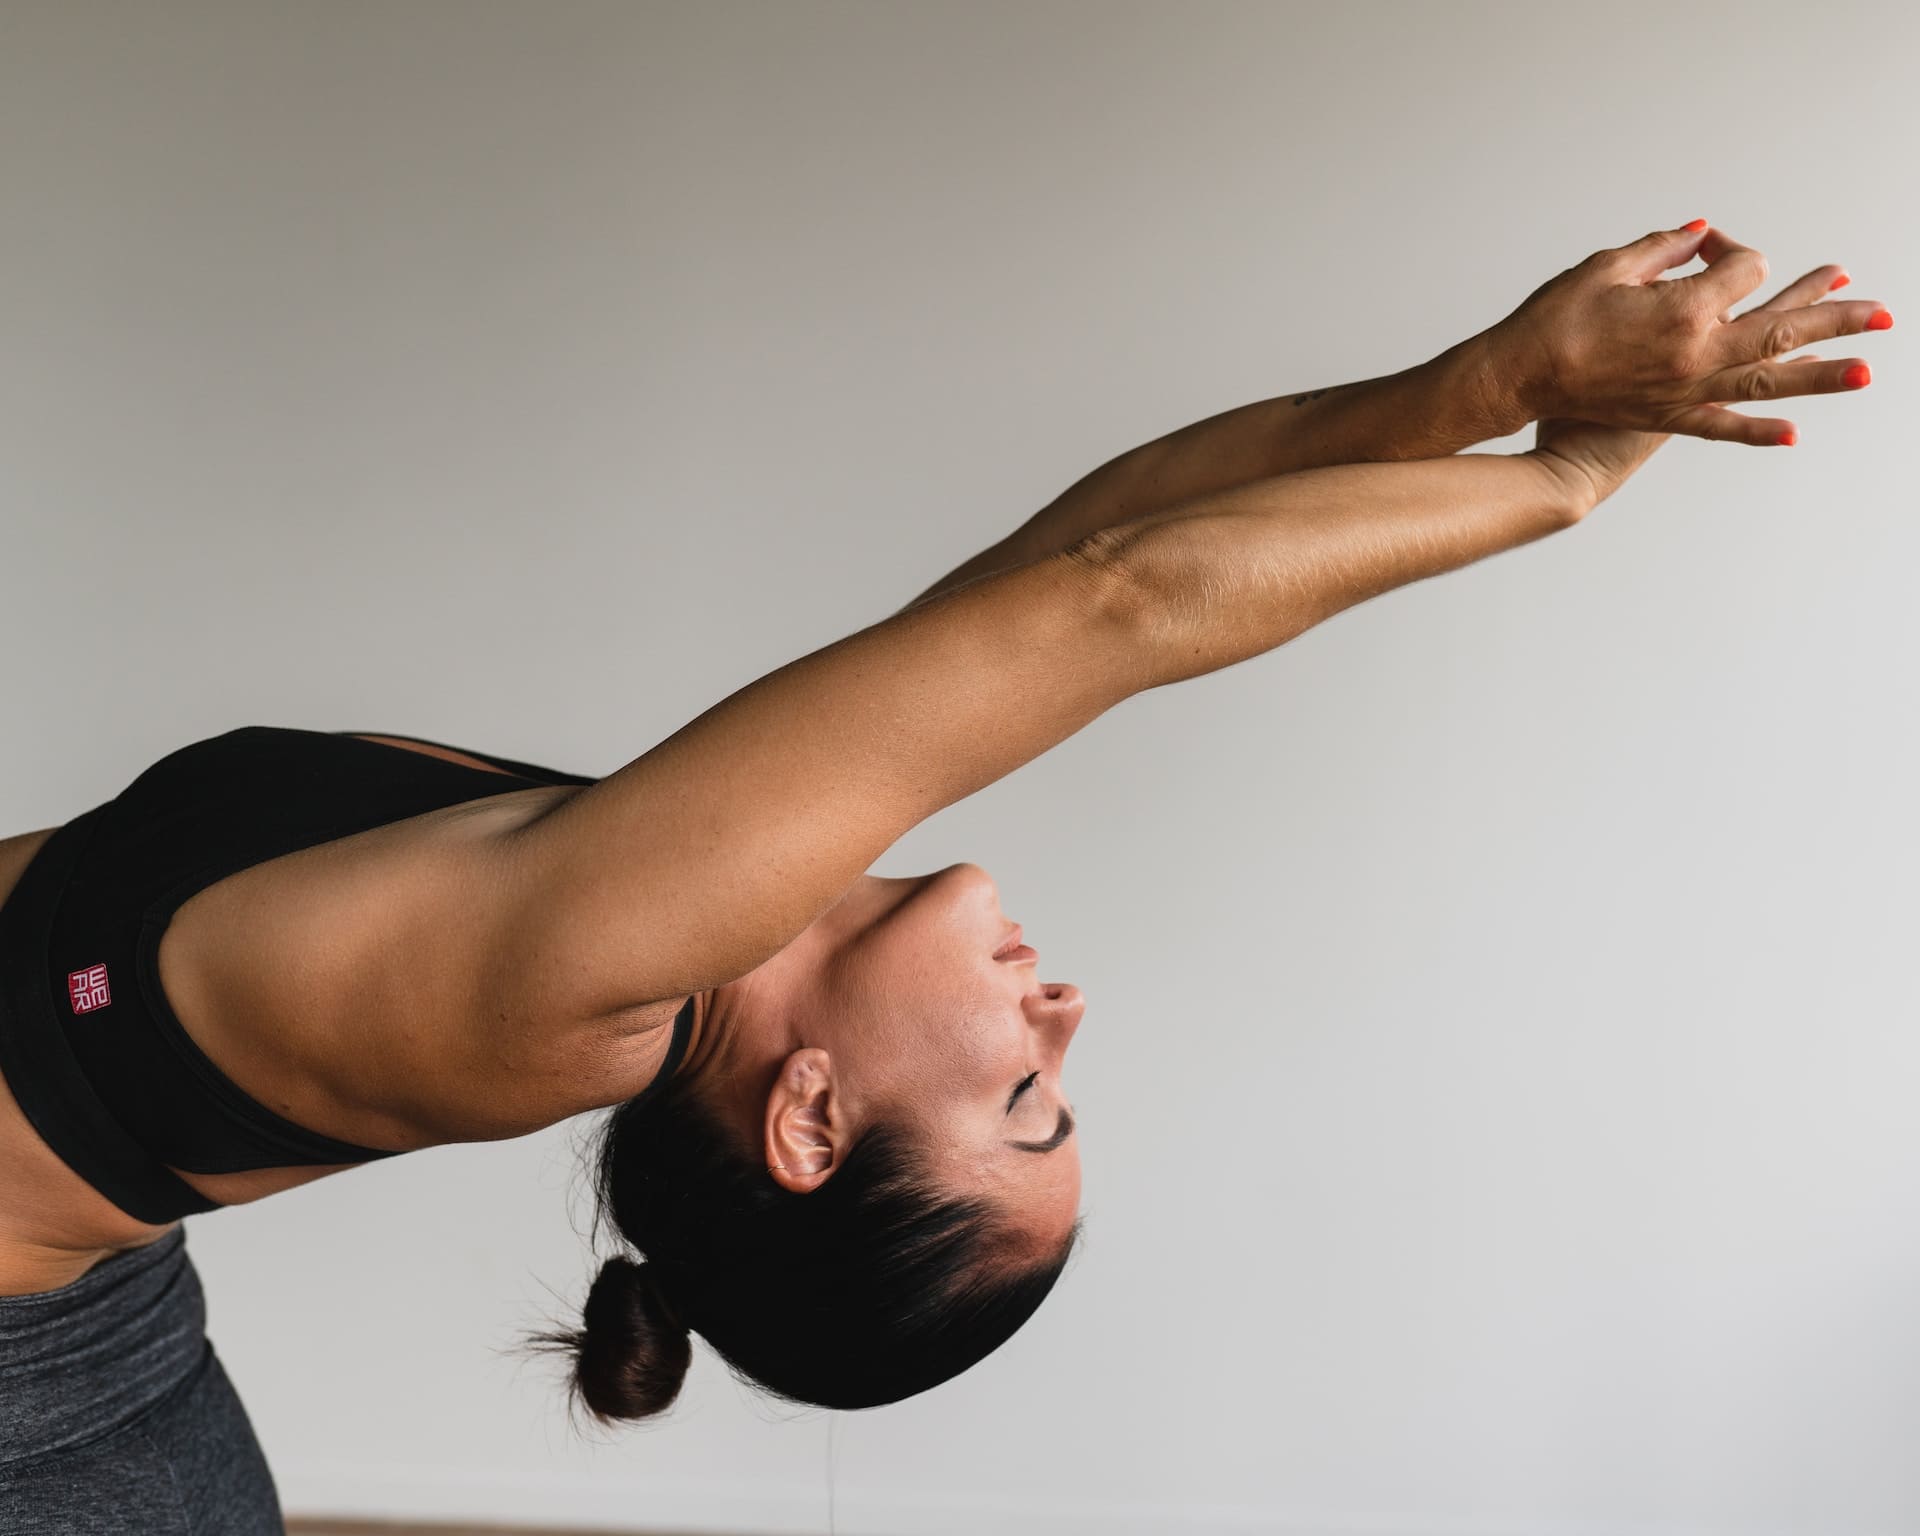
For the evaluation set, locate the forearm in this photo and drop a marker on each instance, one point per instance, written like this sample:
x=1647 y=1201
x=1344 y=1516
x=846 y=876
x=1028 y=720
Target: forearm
x=1244 y=570
x=1462 y=397
x=1450 y=402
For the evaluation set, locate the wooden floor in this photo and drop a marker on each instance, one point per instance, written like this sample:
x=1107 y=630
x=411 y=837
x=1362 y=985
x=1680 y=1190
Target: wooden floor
x=309 y=1525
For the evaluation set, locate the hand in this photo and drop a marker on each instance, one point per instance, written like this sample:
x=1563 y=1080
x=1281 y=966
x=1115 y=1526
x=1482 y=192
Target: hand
x=1589 y=460
x=1611 y=342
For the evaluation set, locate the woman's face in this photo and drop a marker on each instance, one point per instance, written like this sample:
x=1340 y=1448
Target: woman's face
x=893 y=1005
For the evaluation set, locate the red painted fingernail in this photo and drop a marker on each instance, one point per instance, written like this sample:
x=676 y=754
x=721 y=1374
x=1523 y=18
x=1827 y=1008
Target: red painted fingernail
x=1859 y=376
x=1700 y=224
x=1881 y=320
x=1787 y=438
x=1839 y=282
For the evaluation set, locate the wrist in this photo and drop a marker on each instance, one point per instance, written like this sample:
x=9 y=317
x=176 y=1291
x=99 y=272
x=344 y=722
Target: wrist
x=1576 y=494
x=1495 y=382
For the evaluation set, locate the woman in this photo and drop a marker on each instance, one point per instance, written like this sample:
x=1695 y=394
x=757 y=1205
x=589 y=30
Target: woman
x=839 y=1130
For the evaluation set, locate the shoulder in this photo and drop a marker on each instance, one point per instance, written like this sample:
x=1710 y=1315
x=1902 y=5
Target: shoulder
x=503 y=1049
x=379 y=986
x=516 y=1087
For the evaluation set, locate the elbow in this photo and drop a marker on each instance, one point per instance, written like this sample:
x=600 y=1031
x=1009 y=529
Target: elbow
x=1112 y=597
x=1102 y=564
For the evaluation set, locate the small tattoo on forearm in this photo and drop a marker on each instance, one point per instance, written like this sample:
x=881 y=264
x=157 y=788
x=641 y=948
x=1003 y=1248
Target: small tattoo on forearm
x=1315 y=394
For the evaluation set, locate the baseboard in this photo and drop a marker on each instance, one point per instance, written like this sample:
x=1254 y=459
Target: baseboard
x=423 y=1500
x=312 y=1525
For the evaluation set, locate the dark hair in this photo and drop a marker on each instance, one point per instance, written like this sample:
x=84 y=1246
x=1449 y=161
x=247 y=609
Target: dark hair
x=869 y=1288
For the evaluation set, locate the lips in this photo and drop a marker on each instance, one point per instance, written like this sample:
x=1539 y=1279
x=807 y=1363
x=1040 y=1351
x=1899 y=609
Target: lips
x=1013 y=952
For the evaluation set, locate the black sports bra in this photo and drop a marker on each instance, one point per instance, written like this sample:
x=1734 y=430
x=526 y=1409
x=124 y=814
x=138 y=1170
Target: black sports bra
x=89 y=1044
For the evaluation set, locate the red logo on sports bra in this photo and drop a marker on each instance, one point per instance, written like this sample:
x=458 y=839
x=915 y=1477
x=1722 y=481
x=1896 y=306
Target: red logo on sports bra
x=88 y=989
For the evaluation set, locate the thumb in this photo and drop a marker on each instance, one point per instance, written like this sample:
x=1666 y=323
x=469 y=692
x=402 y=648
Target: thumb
x=1650 y=255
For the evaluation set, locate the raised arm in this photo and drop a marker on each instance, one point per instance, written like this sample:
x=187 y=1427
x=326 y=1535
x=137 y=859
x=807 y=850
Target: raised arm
x=1466 y=395
x=699 y=860
x=1235 y=575
x=1607 y=340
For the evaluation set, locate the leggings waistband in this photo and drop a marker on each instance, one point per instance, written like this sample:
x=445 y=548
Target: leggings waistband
x=84 y=1360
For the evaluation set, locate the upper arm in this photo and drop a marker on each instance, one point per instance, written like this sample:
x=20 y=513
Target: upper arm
x=699 y=860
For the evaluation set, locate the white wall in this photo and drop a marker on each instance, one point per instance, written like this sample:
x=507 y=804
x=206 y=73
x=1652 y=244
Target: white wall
x=1497 y=1085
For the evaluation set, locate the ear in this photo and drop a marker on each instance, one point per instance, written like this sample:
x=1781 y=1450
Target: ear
x=807 y=1134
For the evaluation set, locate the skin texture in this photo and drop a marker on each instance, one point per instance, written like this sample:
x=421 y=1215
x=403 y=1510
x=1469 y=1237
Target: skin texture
x=1608 y=340
x=720 y=854
x=881 y=997
x=1628 y=402
x=892 y=1004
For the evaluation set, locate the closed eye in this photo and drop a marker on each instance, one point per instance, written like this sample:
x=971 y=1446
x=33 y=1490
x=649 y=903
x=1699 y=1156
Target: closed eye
x=1062 y=1129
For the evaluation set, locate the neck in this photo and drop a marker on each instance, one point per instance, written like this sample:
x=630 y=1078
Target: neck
x=703 y=1036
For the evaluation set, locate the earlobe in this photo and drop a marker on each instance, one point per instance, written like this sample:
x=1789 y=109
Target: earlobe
x=804 y=1132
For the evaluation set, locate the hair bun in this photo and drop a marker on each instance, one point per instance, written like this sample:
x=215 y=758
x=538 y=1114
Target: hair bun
x=652 y=1291
x=634 y=1350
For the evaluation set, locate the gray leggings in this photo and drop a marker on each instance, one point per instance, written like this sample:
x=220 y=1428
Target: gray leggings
x=116 y=1416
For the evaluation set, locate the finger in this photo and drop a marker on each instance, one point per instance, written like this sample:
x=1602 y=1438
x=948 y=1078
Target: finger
x=1772 y=380
x=1717 y=424
x=1816 y=285
x=1733 y=271
x=1643 y=260
x=1768 y=332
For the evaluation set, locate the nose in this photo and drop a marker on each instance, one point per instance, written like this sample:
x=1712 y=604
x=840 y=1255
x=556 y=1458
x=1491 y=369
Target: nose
x=1056 y=1009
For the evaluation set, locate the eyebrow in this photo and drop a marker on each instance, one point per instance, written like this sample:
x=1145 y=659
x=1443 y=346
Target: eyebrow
x=1061 y=1131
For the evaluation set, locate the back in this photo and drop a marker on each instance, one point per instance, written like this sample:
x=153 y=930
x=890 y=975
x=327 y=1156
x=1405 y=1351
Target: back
x=230 y=966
